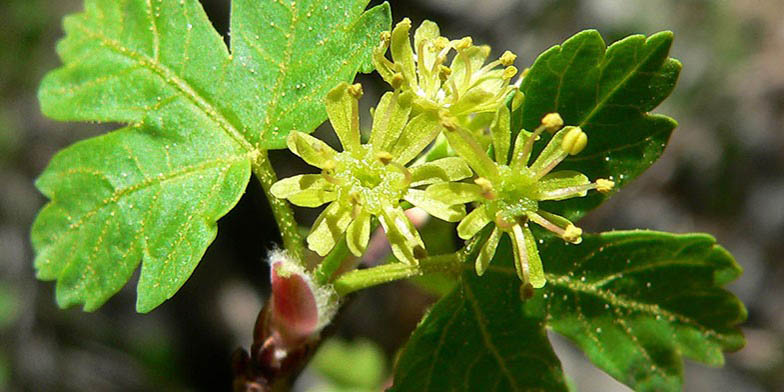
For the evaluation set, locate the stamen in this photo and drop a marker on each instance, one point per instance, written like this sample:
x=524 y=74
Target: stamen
x=573 y=234
x=487 y=187
x=552 y=122
x=444 y=72
x=355 y=90
x=397 y=80
x=604 y=185
x=508 y=58
x=541 y=221
x=420 y=252
x=464 y=43
x=574 y=141
x=384 y=157
x=572 y=191
x=522 y=253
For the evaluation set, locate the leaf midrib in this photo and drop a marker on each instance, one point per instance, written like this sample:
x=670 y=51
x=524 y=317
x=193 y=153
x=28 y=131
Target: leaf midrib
x=600 y=104
x=170 y=78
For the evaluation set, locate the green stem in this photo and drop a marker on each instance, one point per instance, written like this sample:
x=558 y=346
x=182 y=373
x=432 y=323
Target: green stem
x=452 y=264
x=332 y=262
x=361 y=279
x=289 y=230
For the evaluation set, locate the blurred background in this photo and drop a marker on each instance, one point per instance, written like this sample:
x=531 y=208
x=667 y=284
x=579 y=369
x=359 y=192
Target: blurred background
x=722 y=173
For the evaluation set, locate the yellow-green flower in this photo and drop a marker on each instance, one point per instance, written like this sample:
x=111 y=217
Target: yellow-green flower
x=465 y=88
x=367 y=180
x=509 y=194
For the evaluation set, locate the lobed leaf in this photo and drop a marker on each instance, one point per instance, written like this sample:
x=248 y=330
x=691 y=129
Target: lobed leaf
x=609 y=92
x=199 y=117
x=635 y=302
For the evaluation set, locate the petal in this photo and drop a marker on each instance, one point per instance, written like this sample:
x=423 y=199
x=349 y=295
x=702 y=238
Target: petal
x=328 y=228
x=473 y=223
x=564 y=184
x=312 y=197
x=293 y=185
x=441 y=170
x=521 y=155
x=311 y=150
x=552 y=154
x=439 y=209
x=475 y=100
x=343 y=112
x=452 y=193
x=417 y=135
x=358 y=234
x=424 y=38
x=467 y=62
x=527 y=261
x=466 y=146
x=402 y=54
x=402 y=235
x=389 y=119
x=499 y=130
x=487 y=252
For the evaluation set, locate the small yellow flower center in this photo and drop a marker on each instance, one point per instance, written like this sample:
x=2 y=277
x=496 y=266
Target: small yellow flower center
x=370 y=179
x=515 y=196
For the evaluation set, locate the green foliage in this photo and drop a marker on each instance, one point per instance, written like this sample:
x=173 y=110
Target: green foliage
x=608 y=92
x=479 y=339
x=634 y=302
x=199 y=117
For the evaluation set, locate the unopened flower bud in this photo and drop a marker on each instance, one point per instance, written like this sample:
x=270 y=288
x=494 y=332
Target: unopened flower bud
x=299 y=308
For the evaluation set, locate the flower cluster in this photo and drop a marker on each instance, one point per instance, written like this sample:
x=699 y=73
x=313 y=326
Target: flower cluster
x=464 y=105
x=370 y=180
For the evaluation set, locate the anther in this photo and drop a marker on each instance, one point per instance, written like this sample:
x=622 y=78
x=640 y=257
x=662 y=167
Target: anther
x=508 y=58
x=574 y=141
x=447 y=122
x=420 y=252
x=384 y=157
x=397 y=80
x=509 y=72
x=487 y=187
x=444 y=72
x=573 y=234
x=604 y=185
x=464 y=43
x=552 y=122
x=440 y=43
x=386 y=36
x=355 y=90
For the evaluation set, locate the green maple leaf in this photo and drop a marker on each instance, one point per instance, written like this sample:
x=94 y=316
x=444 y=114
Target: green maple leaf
x=199 y=117
x=635 y=302
x=608 y=92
